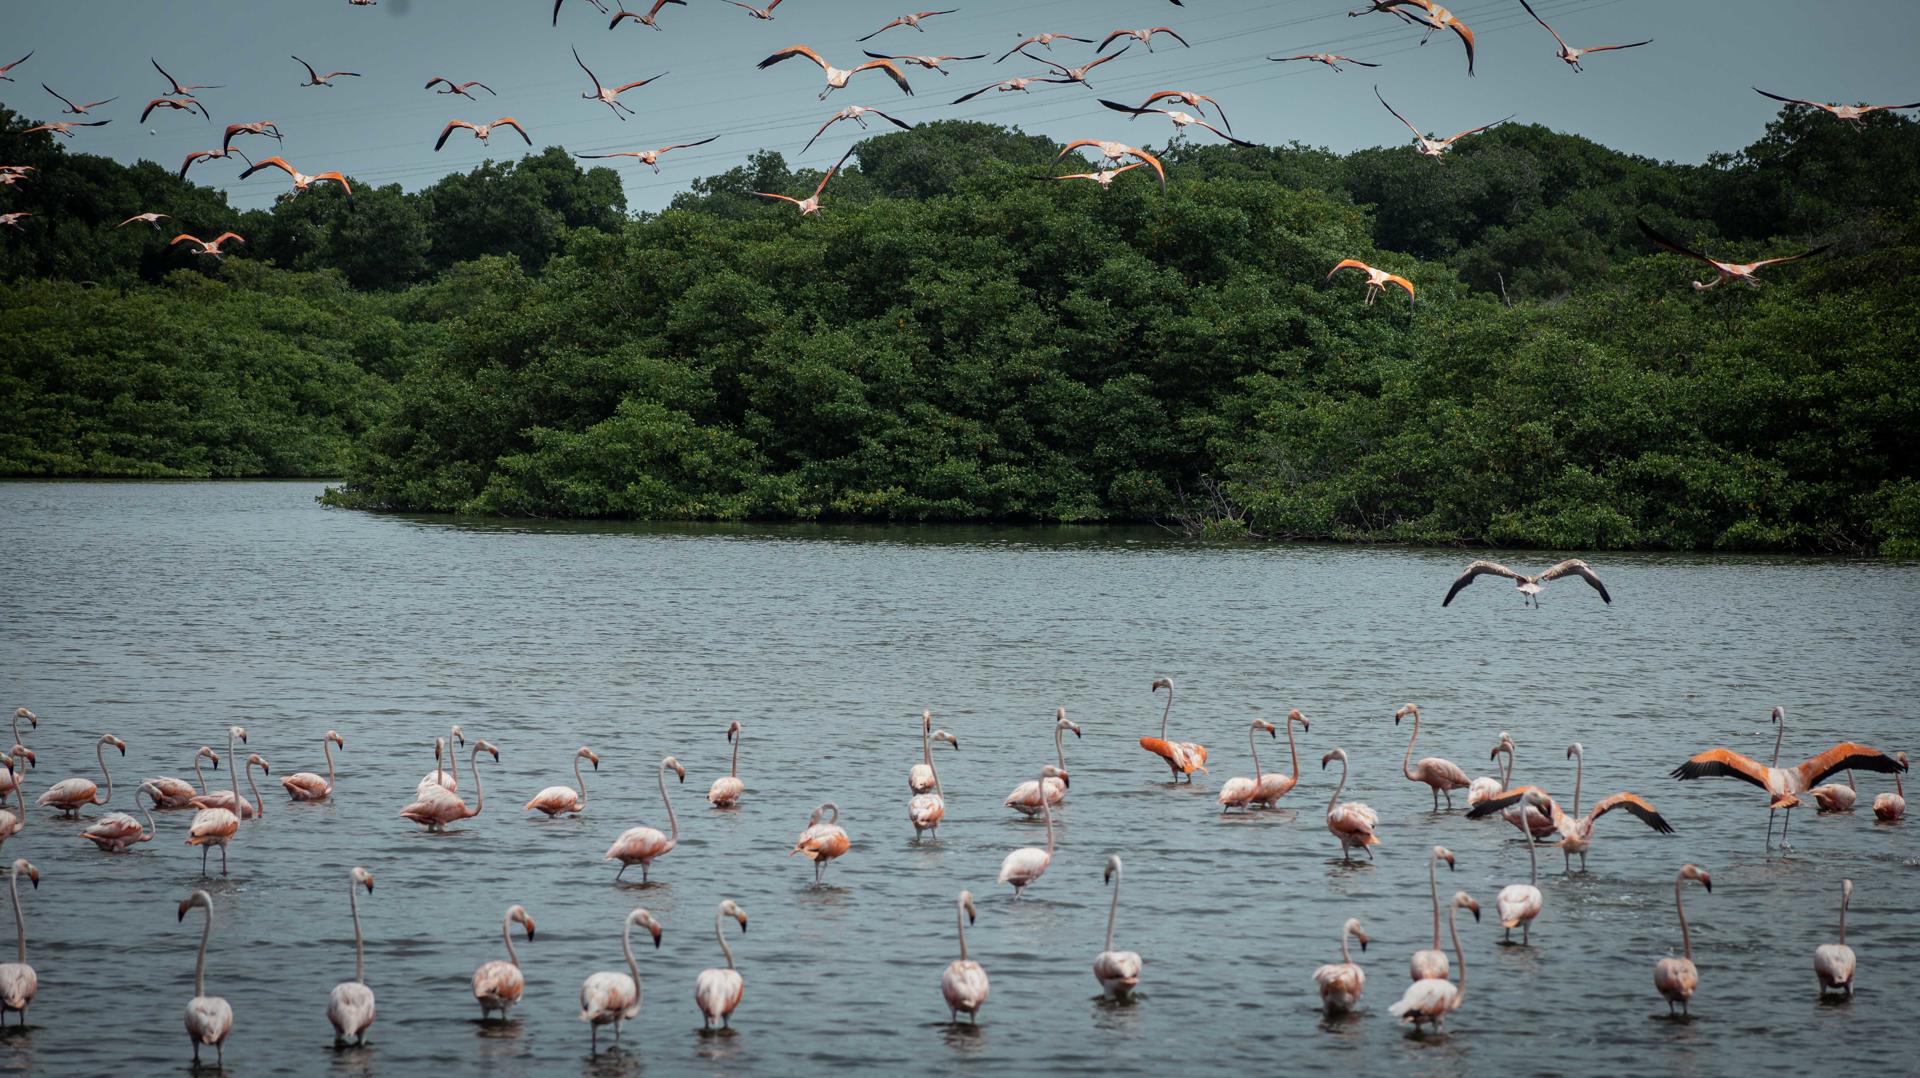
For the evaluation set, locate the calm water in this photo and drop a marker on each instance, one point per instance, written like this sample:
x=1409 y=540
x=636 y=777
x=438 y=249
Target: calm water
x=162 y=613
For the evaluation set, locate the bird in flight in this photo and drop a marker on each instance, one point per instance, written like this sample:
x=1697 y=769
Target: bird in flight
x=931 y=63
x=610 y=96
x=764 y=14
x=174 y=88
x=1144 y=36
x=153 y=219
x=811 y=204
x=185 y=104
x=314 y=78
x=1192 y=101
x=1725 y=271
x=1435 y=147
x=1076 y=74
x=4 y=77
x=12 y=220
x=1434 y=18
x=480 y=131
x=1331 y=59
x=210 y=248
x=211 y=155
x=1570 y=55
x=1377 y=280
x=1005 y=86
x=1045 y=41
x=909 y=20
x=1850 y=113
x=262 y=127
x=1181 y=120
x=301 y=181
x=453 y=87
x=836 y=77
x=650 y=157
x=858 y=114
x=1529 y=587
x=65 y=127
x=649 y=19
x=597 y=6
x=1103 y=177
x=1112 y=152
x=73 y=109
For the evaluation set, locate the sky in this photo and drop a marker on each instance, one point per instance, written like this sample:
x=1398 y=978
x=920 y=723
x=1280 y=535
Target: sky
x=1681 y=98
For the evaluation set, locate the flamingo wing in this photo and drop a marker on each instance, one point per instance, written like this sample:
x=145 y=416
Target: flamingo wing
x=269 y=162
x=1790 y=100
x=1110 y=39
x=1136 y=113
x=964 y=98
x=1662 y=241
x=783 y=198
x=1611 y=48
x=1507 y=799
x=623 y=88
x=894 y=120
x=311 y=73
x=898 y=76
x=1634 y=804
x=1477 y=130
x=1576 y=567
x=508 y=121
x=1170 y=32
x=1476 y=569
x=1151 y=162
x=1394 y=278
x=451 y=127
x=831 y=171
x=1792 y=258
x=1723 y=762
x=1847 y=756
x=1396 y=115
x=1349 y=263
x=1235 y=141
x=1536 y=18
x=792 y=51
x=702 y=142
x=1102 y=60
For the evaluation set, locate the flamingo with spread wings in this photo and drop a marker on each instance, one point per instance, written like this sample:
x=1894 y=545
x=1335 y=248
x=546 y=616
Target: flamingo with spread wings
x=1144 y=36
x=1045 y=41
x=1725 y=271
x=651 y=18
x=1529 y=587
x=315 y=78
x=1331 y=59
x=1182 y=757
x=931 y=63
x=65 y=128
x=913 y=20
x=764 y=14
x=610 y=95
x=73 y=109
x=1438 y=18
x=1076 y=74
x=649 y=157
x=301 y=181
x=837 y=78
x=1782 y=783
x=460 y=88
x=1570 y=55
x=1430 y=147
x=1181 y=120
x=1112 y=152
x=480 y=131
x=1377 y=280
x=856 y=113
x=811 y=203
x=1850 y=113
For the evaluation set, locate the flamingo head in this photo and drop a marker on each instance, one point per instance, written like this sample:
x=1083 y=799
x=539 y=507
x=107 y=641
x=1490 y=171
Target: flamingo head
x=109 y=739
x=364 y=878
x=966 y=905
x=641 y=917
x=1465 y=901
x=198 y=898
x=1262 y=724
x=733 y=730
x=728 y=909
x=22 y=713
x=334 y=736
x=1576 y=749
x=207 y=751
x=830 y=812
x=24 y=753
x=1846 y=891
x=942 y=735
x=674 y=765
x=1296 y=716
x=1113 y=868
x=519 y=915
x=1067 y=724
x=1052 y=772
x=1698 y=874
x=1353 y=927
x=586 y=753
x=1337 y=754
x=1441 y=853
x=1779 y=714
x=257 y=760
x=1405 y=710
x=1162 y=683
x=481 y=745
x=458 y=736
x=238 y=732
x=33 y=874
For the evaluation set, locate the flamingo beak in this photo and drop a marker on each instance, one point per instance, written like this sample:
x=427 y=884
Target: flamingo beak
x=1707 y=882
x=184 y=907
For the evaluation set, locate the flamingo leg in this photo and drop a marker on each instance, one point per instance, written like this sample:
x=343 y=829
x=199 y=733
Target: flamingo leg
x=223 y=860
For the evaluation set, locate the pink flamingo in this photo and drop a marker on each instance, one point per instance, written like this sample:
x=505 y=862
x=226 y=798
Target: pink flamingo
x=928 y=809
x=1518 y=904
x=1431 y=964
x=498 y=985
x=117 y=832
x=12 y=823
x=1676 y=978
x=1025 y=798
x=1833 y=797
x=171 y=793
x=1352 y=823
x=435 y=814
x=18 y=981
x=221 y=799
x=920 y=776
x=1576 y=831
x=209 y=1018
x=717 y=991
x=837 y=78
x=1888 y=808
x=1429 y=1001
x=1849 y=113
x=1724 y=271
x=1117 y=971
x=1783 y=782
x=726 y=790
x=1238 y=792
x=444 y=778
x=1567 y=53
x=217 y=826
x=1540 y=824
x=1341 y=982
x=558 y=800
x=1273 y=785
x=1182 y=757
x=1486 y=785
x=964 y=982
x=1441 y=776
x=1833 y=962
x=640 y=845
x=615 y=997
x=11 y=779
x=307 y=786
x=350 y=1006
x=1025 y=865
x=70 y=795
x=823 y=840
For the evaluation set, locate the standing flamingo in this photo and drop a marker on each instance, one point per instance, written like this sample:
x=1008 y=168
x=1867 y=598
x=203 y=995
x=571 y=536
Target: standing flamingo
x=443 y=778
x=1431 y=964
x=1352 y=823
x=1117 y=971
x=1833 y=962
x=615 y=997
x=1486 y=785
x=172 y=793
x=964 y=982
x=1239 y=791
x=1182 y=757
x=640 y=845
x=823 y=840
x=717 y=991
x=928 y=809
x=11 y=780
x=1027 y=864
x=221 y=799
x=558 y=800
x=726 y=790
x=920 y=776
x=209 y=1018
x=1676 y=978
x=1890 y=807
x=217 y=826
x=436 y=813
x=18 y=982
x=497 y=985
x=118 y=832
x=1518 y=904
x=1441 y=776
x=1341 y=982
x=1272 y=786
x=1780 y=782
x=1541 y=824
x=1025 y=798
x=1430 y=1000
x=307 y=786
x=69 y=795
x=350 y=1007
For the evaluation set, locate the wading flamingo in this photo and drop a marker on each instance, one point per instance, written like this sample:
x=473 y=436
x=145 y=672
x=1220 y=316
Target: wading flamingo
x=651 y=18
x=315 y=78
x=1027 y=864
x=823 y=840
x=928 y=809
x=118 y=832
x=14 y=774
x=1724 y=271
x=497 y=985
x=811 y=204
x=1431 y=964
x=650 y=158
x=837 y=78
x=209 y=1018
x=1239 y=791
x=726 y=790
x=920 y=775
x=436 y=813
x=217 y=826
x=1529 y=587
x=640 y=845
x=18 y=981
x=1441 y=776
x=480 y=131
x=610 y=95
x=1542 y=824
x=1045 y=41
x=350 y=1006
x=1783 y=781
x=1341 y=982
x=1851 y=113
x=171 y=793
x=1272 y=785
x=301 y=181
x=1676 y=978
x=1025 y=798
x=1117 y=971
x=1182 y=757
x=558 y=800
x=1487 y=785
x=1833 y=797
x=1429 y=1001
x=12 y=823
x=221 y=799
x=1890 y=807
x=307 y=786
x=964 y=982
x=1518 y=904
x=1352 y=823
x=1331 y=59
x=1576 y=831
x=908 y=20
x=70 y=795
x=1833 y=962
x=615 y=997
x=1570 y=55
x=445 y=778
x=717 y=991
x=1377 y=280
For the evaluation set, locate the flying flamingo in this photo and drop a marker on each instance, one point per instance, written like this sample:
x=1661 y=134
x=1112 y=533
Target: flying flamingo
x=1075 y=74
x=811 y=204
x=1850 y=113
x=436 y=813
x=178 y=104
x=153 y=219
x=920 y=776
x=908 y=20
x=717 y=991
x=1377 y=280
x=1529 y=587
x=1331 y=59
x=1045 y=41
x=726 y=790
x=1027 y=864
x=1833 y=797
x=651 y=18
x=4 y=77
x=217 y=826
x=823 y=840
x=193 y=159
x=1112 y=152
x=615 y=997
x=964 y=982
x=209 y=248
x=12 y=220
x=69 y=795
x=118 y=832
x=175 y=88
x=640 y=845
x=1431 y=964
x=1430 y=147
x=314 y=78
x=1441 y=776
x=1181 y=120
x=559 y=800
x=1143 y=36
x=1429 y=1001
x=1352 y=822
x=307 y=786
x=610 y=95
x=18 y=981
x=301 y=181
x=221 y=799
x=1725 y=271
x=1781 y=782
x=926 y=810
x=209 y=1018
x=1005 y=86
x=1570 y=55
x=498 y=985
x=1389 y=7
x=444 y=778
x=856 y=113
x=1117 y=971
x=1025 y=798
x=1676 y=978
x=1833 y=962
x=263 y=128
x=1341 y=982
x=1890 y=807
x=461 y=88
x=1198 y=102
x=350 y=1006
x=764 y=14
x=171 y=793
x=1439 y=18
x=1182 y=757
x=650 y=158
x=837 y=77
x=480 y=131
x=1104 y=177
x=73 y=109
x=1238 y=792
x=1518 y=904
x=931 y=63
x=65 y=127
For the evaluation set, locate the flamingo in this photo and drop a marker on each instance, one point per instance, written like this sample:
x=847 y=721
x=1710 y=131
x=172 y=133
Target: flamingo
x=436 y=813
x=1388 y=7
x=764 y=14
x=461 y=88
x=920 y=777
x=1045 y=41
x=1725 y=271
x=1832 y=797
x=33 y=721
x=1429 y=1001
x=931 y=63
x=178 y=104
x=1441 y=776
x=1005 y=86
x=964 y=982
x=717 y=991
x=650 y=158
x=1104 y=177
x=1486 y=785
x=263 y=128
x=559 y=800
x=18 y=981
x=927 y=809
x=1025 y=798
x=12 y=778
x=69 y=795
x=301 y=181
x=171 y=793
x=1782 y=782
x=1117 y=971
x=12 y=220
x=1075 y=74
x=1541 y=824
x=149 y=218
x=726 y=790
x=1676 y=978
x=823 y=840
x=1144 y=36
x=1192 y=100
x=1518 y=904
x=856 y=113
x=9 y=67
x=1890 y=807
x=1570 y=55
x=597 y=6
x=193 y=159
x=65 y=127
x=1182 y=757
x=73 y=109
x=1341 y=982
x=314 y=78
x=1027 y=864
x=1430 y=147
x=350 y=1006
x=118 y=832
x=1377 y=280
x=651 y=18
x=1331 y=59
x=307 y=786
x=217 y=826
x=221 y=799
x=615 y=997
x=480 y=131
x=1272 y=786
x=1833 y=962
x=1431 y=964
x=1576 y=831
x=908 y=20
x=12 y=823
x=1238 y=792
x=640 y=845
x=1439 y=18
x=1352 y=823
x=1181 y=120
x=209 y=1018
x=447 y=778
x=209 y=248
x=837 y=77
x=1529 y=587
x=1849 y=113
x=497 y=985
x=1112 y=152
x=811 y=204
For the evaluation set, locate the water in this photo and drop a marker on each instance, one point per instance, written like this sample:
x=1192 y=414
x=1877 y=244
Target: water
x=163 y=612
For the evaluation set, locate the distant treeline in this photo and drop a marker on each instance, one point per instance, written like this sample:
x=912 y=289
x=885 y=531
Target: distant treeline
x=954 y=338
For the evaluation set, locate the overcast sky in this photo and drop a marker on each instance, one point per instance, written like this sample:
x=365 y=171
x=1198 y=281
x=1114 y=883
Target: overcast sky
x=1681 y=98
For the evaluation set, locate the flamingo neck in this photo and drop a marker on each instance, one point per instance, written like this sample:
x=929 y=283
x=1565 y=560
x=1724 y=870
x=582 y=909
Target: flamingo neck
x=942 y=794
x=1046 y=811
x=1405 y=768
x=579 y=783
x=479 y=788
x=1459 y=955
x=1341 y=785
x=1506 y=769
x=198 y=778
x=232 y=773
x=359 y=944
x=506 y=934
x=1113 y=908
x=727 y=952
x=1345 y=958
x=926 y=744
x=1433 y=881
x=260 y=803
x=453 y=761
x=199 y=964
x=633 y=968
x=1254 y=746
x=1059 y=746
x=1680 y=907
x=326 y=746
x=151 y=830
x=1844 y=898
x=960 y=917
x=1168 y=710
x=1780 y=728
x=673 y=824
x=1579 y=767
x=1293 y=751
x=100 y=754
x=19 y=918
x=734 y=770
x=1533 y=859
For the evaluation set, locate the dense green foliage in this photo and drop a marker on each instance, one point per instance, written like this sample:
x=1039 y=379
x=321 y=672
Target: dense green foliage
x=954 y=338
